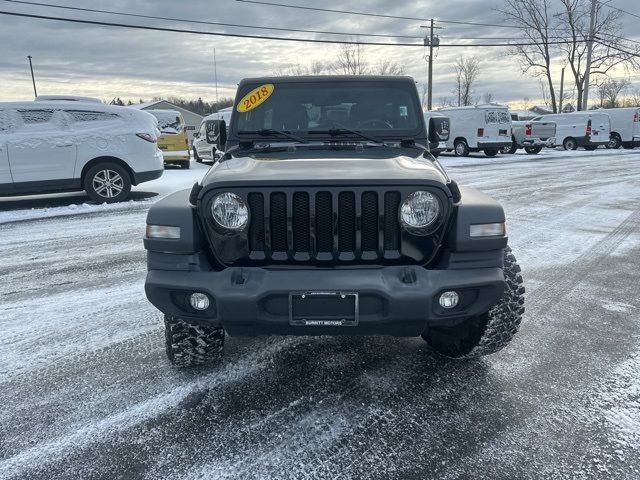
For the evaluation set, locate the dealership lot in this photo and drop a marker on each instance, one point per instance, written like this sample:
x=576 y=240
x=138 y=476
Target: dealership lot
x=87 y=391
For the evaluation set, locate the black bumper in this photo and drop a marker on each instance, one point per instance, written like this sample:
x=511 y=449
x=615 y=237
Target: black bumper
x=498 y=145
x=395 y=300
x=141 y=177
x=589 y=142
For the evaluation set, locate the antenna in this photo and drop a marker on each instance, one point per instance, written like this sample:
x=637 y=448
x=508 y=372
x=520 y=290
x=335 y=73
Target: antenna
x=215 y=73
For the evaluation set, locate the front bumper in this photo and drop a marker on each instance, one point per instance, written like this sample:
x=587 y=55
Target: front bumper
x=397 y=300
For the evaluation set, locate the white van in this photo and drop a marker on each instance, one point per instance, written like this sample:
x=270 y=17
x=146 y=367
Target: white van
x=58 y=146
x=580 y=129
x=482 y=127
x=625 y=126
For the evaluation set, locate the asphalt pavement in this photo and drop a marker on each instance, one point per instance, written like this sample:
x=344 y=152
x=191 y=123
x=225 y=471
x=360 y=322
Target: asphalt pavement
x=87 y=393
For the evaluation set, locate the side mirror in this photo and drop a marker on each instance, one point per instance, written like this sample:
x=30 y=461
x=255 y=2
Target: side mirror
x=196 y=135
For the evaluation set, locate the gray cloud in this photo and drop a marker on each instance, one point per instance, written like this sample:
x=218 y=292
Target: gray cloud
x=108 y=62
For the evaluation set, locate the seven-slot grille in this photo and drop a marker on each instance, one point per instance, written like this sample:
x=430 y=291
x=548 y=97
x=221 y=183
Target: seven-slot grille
x=324 y=225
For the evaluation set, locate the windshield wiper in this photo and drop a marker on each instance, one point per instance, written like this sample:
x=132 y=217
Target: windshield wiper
x=270 y=131
x=340 y=129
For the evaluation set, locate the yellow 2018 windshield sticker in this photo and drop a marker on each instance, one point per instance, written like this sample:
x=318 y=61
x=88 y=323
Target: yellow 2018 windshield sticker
x=255 y=97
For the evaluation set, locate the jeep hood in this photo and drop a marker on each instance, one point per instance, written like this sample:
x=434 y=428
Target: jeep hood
x=329 y=168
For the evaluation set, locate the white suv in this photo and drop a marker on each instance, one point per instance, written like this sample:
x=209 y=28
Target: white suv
x=63 y=145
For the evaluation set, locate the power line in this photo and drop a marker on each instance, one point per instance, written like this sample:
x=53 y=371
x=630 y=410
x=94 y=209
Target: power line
x=379 y=15
x=264 y=37
x=257 y=27
x=608 y=4
x=622 y=50
x=203 y=22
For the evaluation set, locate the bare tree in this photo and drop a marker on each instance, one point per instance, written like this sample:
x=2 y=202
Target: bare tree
x=351 y=60
x=488 y=97
x=388 y=67
x=317 y=67
x=526 y=101
x=467 y=70
x=536 y=23
x=633 y=99
x=610 y=90
x=445 y=102
x=609 y=49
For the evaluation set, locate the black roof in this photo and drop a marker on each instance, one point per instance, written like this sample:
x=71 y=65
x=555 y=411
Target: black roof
x=329 y=78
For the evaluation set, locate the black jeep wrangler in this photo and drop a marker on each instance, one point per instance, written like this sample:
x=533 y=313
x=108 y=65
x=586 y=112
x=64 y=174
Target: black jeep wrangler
x=327 y=215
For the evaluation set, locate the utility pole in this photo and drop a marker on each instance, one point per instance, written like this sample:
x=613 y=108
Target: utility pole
x=215 y=74
x=561 y=90
x=430 y=86
x=592 y=28
x=430 y=41
x=33 y=79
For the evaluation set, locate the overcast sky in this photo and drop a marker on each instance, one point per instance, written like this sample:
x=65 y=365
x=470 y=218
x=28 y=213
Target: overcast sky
x=107 y=62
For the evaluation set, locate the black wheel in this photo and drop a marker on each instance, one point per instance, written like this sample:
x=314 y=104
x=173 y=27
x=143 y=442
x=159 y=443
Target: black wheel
x=186 y=164
x=510 y=149
x=570 y=143
x=107 y=183
x=490 y=152
x=590 y=148
x=460 y=148
x=533 y=150
x=192 y=345
x=615 y=142
x=487 y=333
x=196 y=157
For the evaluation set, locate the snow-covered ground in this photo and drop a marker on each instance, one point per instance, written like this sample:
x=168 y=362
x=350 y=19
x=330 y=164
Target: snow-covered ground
x=86 y=391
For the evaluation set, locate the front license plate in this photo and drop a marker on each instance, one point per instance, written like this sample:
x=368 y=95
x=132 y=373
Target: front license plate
x=323 y=309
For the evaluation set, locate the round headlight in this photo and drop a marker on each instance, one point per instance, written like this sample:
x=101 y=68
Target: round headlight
x=419 y=210
x=229 y=211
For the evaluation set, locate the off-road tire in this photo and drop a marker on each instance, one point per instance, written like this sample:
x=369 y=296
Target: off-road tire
x=490 y=152
x=185 y=165
x=99 y=173
x=570 y=143
x=461 y=149
x=191 y=345
x=510 y=150
x=533 y=150
x=489 y=332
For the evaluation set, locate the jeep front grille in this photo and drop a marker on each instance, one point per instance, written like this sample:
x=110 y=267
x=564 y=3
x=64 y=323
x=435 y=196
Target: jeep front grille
x=324 y=225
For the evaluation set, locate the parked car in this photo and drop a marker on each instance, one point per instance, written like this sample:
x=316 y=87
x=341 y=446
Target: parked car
x=531 y=135
x=173 y=140
x=625 y=126
x=56 y=146
x=580 y=129
x=207 y=141
x=306 y=227
x=438 y=128
x=478 y=128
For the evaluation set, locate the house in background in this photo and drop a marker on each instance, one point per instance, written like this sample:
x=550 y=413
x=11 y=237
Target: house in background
x=192 y=120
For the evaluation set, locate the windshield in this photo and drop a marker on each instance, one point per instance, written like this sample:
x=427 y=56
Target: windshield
x=169 y=121
x=314 y=109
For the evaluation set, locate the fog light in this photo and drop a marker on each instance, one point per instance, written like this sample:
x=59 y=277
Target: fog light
x=199 y=301
x=449 y=299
